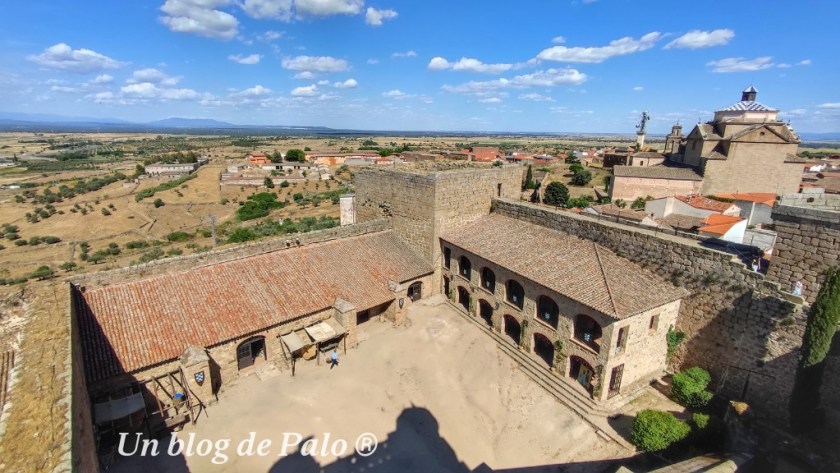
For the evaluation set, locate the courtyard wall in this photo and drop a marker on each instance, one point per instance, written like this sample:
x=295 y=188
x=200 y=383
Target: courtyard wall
x=743 y=329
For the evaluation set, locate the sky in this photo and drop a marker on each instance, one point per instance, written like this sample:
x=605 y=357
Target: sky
x=430 y=65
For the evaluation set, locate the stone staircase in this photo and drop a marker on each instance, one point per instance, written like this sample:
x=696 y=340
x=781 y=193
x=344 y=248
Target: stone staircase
x=565 y=391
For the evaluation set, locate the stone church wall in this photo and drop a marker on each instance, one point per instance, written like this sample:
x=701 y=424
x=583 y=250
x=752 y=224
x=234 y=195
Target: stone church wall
x=740 y=327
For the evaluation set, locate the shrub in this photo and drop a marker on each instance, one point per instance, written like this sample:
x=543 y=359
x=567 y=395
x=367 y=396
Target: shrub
x=105 y=211
x=174 y=252
x=97 y=257
x=151 y=255
x=35 y=241
x=268 y=183
x=21 y=243
x=581 y=178
x=158 y=203
x=654 y=431
x=284 y=184
x=43 y=272
x=137 y=244
x=673 y=339
x=68 y=266
x=50 y=240
x=699 y=420
x=178 y=236
x=241 y=235
x=689 y=387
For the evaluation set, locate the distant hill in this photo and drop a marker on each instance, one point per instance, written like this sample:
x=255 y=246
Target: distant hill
x=176 y=122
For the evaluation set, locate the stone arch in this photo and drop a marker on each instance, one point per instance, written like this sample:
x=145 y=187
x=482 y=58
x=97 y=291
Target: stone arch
x=581 y=371
x=588 y=331
x=249 y=351
x=515 y=293
x=548 y=311
x=465 y=267
x=544 y=349
x=512 y=328
x=415 y=291
x=488 y=279
x=464 y=298
x=485 y=310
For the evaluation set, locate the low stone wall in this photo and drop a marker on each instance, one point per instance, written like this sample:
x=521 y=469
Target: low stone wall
x=814 y=201
x=181 y=263
x=739 y=326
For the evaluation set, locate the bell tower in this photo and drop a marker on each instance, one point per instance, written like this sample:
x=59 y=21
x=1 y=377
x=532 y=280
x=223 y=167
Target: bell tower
x=749 y=94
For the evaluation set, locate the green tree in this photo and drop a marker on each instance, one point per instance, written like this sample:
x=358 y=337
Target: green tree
x=823 y=320
x=580 y=202
x=284 y=184
x=529 y=179
x=97 y=257
x=158 y=203
x=654 y=431
x=576 y=168
x=556 y=194
x=269 y=183
x=582 y=178
x=298 y=155
x=638 y=204
x=68 y=266
x=43 y=272
x=276 y=157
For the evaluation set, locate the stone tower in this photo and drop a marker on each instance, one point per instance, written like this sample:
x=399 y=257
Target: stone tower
x=673 y=140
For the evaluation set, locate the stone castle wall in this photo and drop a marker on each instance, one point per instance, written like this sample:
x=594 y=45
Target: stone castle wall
x=808 y=243
x=741 y=328
x=83 y=445
x=182 y=263
x=421 y=207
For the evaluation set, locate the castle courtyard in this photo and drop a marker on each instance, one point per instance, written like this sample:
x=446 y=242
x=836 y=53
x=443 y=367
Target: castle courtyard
x=438 y=394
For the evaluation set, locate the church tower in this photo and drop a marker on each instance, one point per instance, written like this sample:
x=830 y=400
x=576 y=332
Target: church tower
x=673 y=140
x=749 y=94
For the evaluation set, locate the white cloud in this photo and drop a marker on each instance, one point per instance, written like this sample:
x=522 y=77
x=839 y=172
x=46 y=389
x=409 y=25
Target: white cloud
x=375 y=17
x=405 y=54
x=268 y=9
x=558 y=40
x=307 y=91
x=103 y=79
x=638 y=88
x=323 y=82
x=491 y=100
x=256 y=91
x=804 y=62
x=147 y=90
x=305 y=75
x=348 y=84
x=152 y=76
x=546 y=78
x=313 y=63
x=618 y=47
x=395 y=94
x=201 y=17
x=830 y=106
x=783 y=65
x=271 y=35
x=739 y=64
x=536 y=98
x=467 y=64
x=242 y=59
x=696 y=39
x=373 y=61
x=61 y=56
x=306 y=8
x=62 y=88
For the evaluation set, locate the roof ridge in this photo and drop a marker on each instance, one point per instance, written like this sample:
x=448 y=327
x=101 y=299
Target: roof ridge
x=604 y=275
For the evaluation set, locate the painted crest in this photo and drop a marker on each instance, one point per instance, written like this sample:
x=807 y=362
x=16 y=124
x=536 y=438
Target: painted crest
x=199 y=377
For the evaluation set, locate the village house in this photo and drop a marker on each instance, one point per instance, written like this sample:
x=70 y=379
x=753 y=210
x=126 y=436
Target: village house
x=756 y=207
x=258 y=158
x=171 y=170
x=695 y=213
x=630 y=182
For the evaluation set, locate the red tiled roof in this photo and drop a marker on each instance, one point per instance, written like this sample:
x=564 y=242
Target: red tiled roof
x=578 y=269
x=257 y=154
x=718 y=224
x=705 y=203
x=765 y=198
x=126 y=327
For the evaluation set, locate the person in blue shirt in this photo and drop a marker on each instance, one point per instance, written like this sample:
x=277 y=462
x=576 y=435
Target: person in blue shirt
x=334 y=359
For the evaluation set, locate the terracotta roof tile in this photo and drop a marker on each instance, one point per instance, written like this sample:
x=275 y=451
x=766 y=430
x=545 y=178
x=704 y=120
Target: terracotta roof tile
x=765 y=198
x=126 y=327
x=718 y=224
x=705 y=203
x=578 y=269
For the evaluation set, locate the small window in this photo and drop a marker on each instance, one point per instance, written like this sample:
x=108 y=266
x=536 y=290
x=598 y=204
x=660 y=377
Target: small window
x=515 y=294
x=499 y=190
x=447 y=258
x=621 y=342
x=654 y=323
x=488 y=279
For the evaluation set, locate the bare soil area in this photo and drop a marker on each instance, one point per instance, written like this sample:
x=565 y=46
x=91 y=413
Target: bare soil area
x=436 y=392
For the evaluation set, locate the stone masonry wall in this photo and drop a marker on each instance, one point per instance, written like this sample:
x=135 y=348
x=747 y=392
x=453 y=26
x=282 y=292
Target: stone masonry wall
x=808 y=243
x=741 y=328
x=813 y=201
x=181 y=263
x=764 y=163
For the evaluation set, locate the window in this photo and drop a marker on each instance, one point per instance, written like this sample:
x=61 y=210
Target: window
x=615 y=380
x=488 y=279
x=447 y=258
x=621 y=341
x=515 y=294
x=465 y=267
x=588 y=331
x=654 y=324
x=499 y=190
x=548 y=311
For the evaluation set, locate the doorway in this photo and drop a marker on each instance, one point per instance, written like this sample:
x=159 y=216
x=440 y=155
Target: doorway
x=362 y=317
x=512 y=329
x=581 y=371
x=464 y=298
x=544 y=348
x=415 y=291
x=486 y=312
x=249 y=351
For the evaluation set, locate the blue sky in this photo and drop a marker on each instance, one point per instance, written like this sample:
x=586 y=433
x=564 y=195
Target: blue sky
x=530 y=65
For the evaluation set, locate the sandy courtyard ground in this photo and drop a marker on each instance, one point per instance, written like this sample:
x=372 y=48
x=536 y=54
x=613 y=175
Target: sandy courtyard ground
x=436 y=392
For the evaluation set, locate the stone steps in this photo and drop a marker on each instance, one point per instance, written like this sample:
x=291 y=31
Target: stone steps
x=563 y=390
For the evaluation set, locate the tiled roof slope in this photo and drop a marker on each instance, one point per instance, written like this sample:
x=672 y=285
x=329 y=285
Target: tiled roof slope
x=658 y=172
x=125 y=327
x=578 y=269
x=704 y=203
